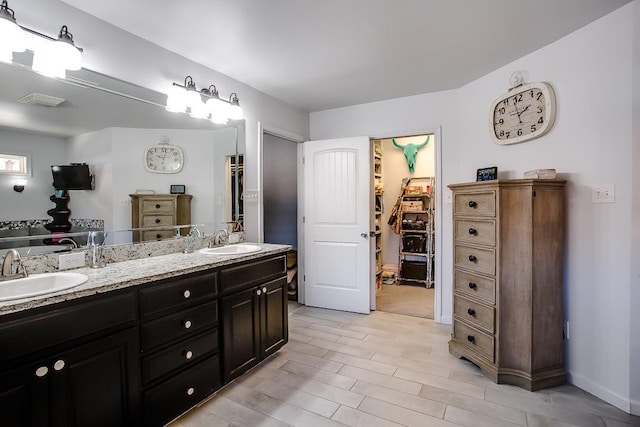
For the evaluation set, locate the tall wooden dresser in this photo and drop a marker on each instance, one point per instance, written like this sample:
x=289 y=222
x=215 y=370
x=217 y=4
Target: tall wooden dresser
x=507 y=302
x=158 y=210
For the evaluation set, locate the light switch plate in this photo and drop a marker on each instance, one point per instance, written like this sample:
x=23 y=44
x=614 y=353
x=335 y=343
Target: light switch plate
x=603 y=193
x=74 y=260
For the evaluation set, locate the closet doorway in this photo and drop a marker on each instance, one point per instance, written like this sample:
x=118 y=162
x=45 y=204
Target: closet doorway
x=407 y=258
x=280 y=200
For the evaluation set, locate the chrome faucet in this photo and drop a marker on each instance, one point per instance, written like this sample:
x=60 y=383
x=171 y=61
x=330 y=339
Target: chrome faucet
x=221 y=238
x=10 y=257
x=69 y=240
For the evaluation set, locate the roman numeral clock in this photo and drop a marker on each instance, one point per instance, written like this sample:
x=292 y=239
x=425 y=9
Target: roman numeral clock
x=526 y=112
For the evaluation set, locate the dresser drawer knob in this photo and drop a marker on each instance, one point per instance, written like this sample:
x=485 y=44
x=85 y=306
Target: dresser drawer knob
x=158 y=236
x=471 y=338
x=473 y=231
x=472 y=285
x=472 y=204
x=473 y=258
x=188 y=354
x=190 y=391
x=157 y=205
x=59 y=365
x=187 y=324
x=157 y=220
x=471 y=312
x=42 y=371
x=186 y=294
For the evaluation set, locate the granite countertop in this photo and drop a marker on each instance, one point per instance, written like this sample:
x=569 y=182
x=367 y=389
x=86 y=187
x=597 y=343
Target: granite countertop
x=125 y=274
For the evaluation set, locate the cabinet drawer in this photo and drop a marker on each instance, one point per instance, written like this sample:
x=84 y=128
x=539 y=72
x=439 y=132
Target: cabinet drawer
x=475 y=286
x=177 y=294
x=157 y=220
x=476 y=259
x=471 y=337
x=165 y=402
x=158 y=234
x=56 y=326
x=178 y=325
x=478 y=315
x=475 y=204
x=478 y=232
x=180 y=355
x=244 y=275
x=157 y=205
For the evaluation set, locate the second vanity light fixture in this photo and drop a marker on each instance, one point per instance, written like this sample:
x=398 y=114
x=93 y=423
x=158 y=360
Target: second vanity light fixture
x=204 y=103
x=51 y=57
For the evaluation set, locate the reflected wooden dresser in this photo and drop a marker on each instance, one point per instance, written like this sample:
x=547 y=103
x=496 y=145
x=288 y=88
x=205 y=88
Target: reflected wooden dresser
x=507 y=293
x=158 y=210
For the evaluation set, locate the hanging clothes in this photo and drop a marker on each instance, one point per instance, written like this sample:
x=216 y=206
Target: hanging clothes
x=395 y=219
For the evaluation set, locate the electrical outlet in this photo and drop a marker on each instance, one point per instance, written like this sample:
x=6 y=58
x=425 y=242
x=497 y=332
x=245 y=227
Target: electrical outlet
x=74 y=260
x=603 y=193
x=124 y=202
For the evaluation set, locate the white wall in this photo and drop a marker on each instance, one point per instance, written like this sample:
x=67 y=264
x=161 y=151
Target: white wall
x=591 y=143
x=44 y=151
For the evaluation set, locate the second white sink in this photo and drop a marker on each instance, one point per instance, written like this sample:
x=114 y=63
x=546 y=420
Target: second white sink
x=39 y=284
x=239 y=249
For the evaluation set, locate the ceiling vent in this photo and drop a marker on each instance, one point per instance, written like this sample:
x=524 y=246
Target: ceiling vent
x=40 y=99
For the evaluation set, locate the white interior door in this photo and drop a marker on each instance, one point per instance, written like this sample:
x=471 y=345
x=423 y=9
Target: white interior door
x=336 y=228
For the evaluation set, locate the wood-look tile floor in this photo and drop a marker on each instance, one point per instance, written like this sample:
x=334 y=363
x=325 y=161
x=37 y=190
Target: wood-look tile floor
x=385 y=370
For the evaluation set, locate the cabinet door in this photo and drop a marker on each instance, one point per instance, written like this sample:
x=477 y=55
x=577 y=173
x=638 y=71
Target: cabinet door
x=241 y=332
x=24 y=396
x=96 y=384
x=274 y=331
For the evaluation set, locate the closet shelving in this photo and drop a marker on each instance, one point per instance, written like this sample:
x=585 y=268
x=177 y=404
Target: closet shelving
x=416 y=251
x=378 y=208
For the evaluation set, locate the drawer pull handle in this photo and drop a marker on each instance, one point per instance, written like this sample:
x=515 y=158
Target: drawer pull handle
x=186 y=294
x=472 y=258
x=473 y=231
x=188 y=354
x=471 y=312
x=264 y=290
x=190 y=391
x=472 y=204
x=471 y=338
x=259 y=292
x=187 y=324
x=472 y=285
x=157 y=220
x=42 y=371
x=158 y=236
x=59 y=365
x=157 y=205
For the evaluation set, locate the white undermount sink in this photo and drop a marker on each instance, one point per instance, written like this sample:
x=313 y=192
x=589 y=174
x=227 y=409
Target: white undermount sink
x=239 y=249
x=39 y=284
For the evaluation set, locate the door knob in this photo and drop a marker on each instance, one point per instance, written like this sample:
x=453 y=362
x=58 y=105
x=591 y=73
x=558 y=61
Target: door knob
x=364 y=235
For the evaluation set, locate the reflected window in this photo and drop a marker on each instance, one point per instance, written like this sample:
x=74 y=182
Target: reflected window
x=14 y=164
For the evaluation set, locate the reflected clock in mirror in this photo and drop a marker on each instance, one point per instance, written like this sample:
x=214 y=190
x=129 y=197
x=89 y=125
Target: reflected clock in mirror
x=164 y=158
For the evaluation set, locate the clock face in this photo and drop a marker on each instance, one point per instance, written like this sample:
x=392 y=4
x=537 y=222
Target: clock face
x=527 y=112
x=164 y=158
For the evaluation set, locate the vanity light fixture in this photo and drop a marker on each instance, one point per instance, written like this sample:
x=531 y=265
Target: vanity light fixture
x=205 y=103
x=19 y=184
x=51 y=57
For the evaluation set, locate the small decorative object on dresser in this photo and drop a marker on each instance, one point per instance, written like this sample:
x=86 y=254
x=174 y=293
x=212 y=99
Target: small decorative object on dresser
x=525 y=112
x=507 y=280
x=487 y=174
x=178 y=189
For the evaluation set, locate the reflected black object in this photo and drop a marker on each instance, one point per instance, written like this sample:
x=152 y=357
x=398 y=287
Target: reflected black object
x=75 y=176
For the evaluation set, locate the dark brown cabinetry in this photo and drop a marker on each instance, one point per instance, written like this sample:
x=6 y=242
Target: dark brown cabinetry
x=254 y=314
x=91 y=380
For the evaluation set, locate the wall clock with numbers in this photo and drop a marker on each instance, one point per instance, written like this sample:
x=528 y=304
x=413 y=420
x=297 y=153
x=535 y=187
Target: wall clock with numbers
x=526 y=112
x=163 y=158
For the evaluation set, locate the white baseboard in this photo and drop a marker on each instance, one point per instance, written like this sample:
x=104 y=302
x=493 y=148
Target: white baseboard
x=620 y=402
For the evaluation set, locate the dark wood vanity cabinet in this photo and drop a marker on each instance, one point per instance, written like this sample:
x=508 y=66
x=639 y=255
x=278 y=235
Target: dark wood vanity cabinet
x=253 y=313
x=88 y=378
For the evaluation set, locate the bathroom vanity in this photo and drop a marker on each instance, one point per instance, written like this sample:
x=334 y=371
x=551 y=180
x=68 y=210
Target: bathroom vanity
x=141 y=341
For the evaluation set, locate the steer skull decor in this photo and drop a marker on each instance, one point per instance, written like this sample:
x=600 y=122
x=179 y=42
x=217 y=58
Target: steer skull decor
x=410 y=151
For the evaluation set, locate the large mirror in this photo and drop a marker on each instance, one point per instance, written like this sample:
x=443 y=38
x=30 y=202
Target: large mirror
x=107 y=124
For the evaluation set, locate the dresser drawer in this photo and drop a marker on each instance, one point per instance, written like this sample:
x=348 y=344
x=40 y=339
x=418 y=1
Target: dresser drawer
x=180 y=355
x=157 y=220
x=478 y=232
x=178 y=325
x=164 y=402
x=178 y=294
x=476 y=259
x=158 y=205
x=478 y=315
x=481 y=342
x=475 y=204
x=475 y=286
x=158 y=234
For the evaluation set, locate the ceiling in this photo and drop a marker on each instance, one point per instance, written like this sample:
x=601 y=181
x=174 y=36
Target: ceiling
x=323 y=54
